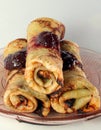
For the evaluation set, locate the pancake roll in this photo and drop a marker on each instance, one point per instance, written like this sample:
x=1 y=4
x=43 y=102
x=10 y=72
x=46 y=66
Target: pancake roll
x=43 y=70
x=17 y=97
x=78 y=94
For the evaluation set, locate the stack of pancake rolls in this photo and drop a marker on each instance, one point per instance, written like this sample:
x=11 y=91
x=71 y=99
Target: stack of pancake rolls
x=45 y=72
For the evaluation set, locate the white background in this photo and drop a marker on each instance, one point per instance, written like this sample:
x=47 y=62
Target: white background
x=82 y=19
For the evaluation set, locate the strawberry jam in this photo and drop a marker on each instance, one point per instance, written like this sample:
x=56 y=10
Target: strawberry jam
x=45 y=39
x=69 y=60
x=16 y=60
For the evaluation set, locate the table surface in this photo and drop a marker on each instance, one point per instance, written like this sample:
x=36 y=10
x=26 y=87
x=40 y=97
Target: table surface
x=82 y=19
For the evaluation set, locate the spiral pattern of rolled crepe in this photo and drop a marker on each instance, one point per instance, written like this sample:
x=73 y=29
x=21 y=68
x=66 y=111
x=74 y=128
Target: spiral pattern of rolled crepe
x=43 y=70
x=17 y=97
x=78 y=93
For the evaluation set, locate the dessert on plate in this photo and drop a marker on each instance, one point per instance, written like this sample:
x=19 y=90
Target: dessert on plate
x=45 y=73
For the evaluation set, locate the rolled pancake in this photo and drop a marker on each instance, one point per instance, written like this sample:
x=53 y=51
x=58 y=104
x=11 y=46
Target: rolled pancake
x=43 y=70
x=16 y=96
x=78 y=93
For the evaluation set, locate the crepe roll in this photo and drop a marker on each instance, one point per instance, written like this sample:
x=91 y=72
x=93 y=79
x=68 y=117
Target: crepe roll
x=78 y=93
x=43 y=70
x=17 y=97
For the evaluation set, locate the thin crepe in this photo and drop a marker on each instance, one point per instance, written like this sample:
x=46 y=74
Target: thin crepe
x=43 y=70
x=78 y=93
x=16 y=96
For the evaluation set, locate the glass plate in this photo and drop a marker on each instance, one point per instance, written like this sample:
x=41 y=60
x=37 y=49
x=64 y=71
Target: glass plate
x=92 y=66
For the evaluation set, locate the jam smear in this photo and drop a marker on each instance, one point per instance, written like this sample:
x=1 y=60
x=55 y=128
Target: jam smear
x=48 y=40
x=69 y=60
x=16 y=60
